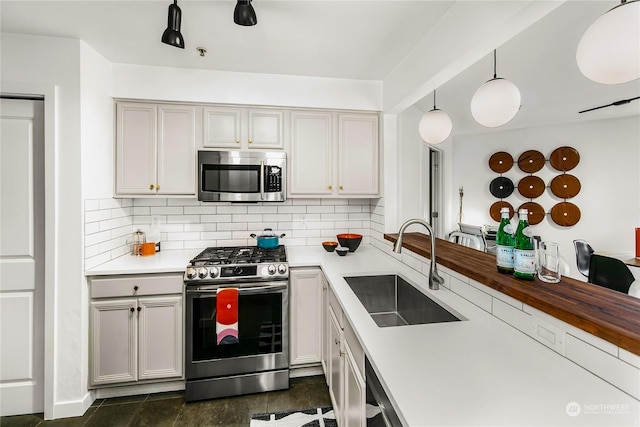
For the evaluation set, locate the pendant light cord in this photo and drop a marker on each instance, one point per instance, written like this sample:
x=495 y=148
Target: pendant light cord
x=495 y=74
x=434 y=99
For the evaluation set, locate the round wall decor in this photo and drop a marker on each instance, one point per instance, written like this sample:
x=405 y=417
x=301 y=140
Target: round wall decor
x=536 y=212
x=531 y=161
x=501 y=187
x=565 y=214
x=565 y=186
x=494 y=210
x=500 y=162
x=531 y=186
x=564 y=158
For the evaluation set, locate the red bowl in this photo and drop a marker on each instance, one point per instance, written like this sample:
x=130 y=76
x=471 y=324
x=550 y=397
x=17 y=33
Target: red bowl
x=329 y=246
x=350 y=240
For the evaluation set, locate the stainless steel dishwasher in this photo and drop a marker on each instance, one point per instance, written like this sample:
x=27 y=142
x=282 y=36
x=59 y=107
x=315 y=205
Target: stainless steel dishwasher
x=378 y=403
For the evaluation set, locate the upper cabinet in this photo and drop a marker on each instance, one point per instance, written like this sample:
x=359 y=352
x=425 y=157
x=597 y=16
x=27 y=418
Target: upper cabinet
x=334 y=155
x=243 y=128
x=155 y=149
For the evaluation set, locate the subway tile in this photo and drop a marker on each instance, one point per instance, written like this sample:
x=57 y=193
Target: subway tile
x=96 y=238
x=91 y=205
x=611 y=369
x=234 y=242
x=214 y=235
x=120 y=251
x=377 y=218
x=320 y=209
x=126 y=203
x=91 y=227
x=246 y=218
x=183 y=202
x=349 y=224
x=169 y=245
x=471 y=294
x=200 y=210
x=121 y=212
x=91 y=251
x=124 y=231
x=275 y=218
x=215 y=218
x=184 y=219
x=167 y=210
x=94 y=216
x=334 y=217
x=306 y=202
x=141 y=210
x=261 y=209
x=362 y=216
x=229 y=226
x=360 y=202
x=114 y=223
x=210 y=226
x=150 y=202
x=299 y=241
x=97 y=260
x=110 y=203
x=192 y=235
x=235 y=209
x=172 y=228
x=305 y=233
x=334 y=202
x=349 y=209
x=292 y=209
x=319 y=225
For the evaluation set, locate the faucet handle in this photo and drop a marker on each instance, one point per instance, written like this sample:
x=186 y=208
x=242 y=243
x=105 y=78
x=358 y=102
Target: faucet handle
x=435 y=280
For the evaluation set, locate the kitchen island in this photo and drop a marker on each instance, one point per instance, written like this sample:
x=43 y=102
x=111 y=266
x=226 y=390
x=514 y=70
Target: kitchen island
x=479 y=371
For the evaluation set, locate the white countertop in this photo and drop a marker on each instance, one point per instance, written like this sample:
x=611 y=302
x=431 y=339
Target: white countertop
x=480 y=371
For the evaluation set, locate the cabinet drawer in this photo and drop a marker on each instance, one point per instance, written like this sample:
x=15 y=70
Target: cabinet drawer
x=126 y=286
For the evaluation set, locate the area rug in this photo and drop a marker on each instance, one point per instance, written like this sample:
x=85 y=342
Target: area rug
x=313 y=417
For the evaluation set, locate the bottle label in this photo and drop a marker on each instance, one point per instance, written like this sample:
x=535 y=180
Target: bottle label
x=527 y=232
x=504 y=256
x=525 y=261
x=508 y=229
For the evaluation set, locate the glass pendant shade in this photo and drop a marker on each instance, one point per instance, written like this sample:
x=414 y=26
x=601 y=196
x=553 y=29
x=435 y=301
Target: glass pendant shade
x=495 y=103
x=435 y=126
x=172 y=35
x=609 y=51
x=244 y=14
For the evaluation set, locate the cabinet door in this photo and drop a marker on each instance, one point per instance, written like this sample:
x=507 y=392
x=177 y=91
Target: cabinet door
x=176 y=150
x=311 y=157
x=266 y=129
x=222 y=127
x=354 y=411
x=135 y=148
x=305 y=316
x=335 y=366
x=358 y=154
x=113 y=341
x=325 y=327
x=160 y=331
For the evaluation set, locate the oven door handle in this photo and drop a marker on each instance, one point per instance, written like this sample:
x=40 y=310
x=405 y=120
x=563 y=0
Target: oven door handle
x=241 y=290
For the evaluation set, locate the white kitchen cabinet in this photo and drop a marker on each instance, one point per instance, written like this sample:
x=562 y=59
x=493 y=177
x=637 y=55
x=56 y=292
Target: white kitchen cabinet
x=345 y=369
x=243 y=128
x=155 y=149
x=334 y=154
x=325 y=327
x=135 y=335
x=305 y=304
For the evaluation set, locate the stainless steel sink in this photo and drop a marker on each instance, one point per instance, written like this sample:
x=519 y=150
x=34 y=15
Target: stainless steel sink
x=392 y=301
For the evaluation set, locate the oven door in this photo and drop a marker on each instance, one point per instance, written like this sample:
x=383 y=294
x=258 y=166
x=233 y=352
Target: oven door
x=263 y=331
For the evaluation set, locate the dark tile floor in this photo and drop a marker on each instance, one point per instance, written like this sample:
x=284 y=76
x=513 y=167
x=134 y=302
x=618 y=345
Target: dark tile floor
x=170 y=409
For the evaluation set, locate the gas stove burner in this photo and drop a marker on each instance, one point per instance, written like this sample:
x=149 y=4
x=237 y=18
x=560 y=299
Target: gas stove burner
x=234 y=264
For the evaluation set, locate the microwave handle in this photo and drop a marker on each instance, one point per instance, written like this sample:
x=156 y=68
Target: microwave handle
x=261 y=179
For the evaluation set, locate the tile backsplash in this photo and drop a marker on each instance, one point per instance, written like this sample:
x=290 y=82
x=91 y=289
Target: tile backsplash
x=189 y=224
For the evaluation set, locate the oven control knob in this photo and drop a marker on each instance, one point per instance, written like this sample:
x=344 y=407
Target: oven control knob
x=271 y=269
x=214 y=271
x=282 y=269
x=202 y=272
x=191 y=273
x=237 y=271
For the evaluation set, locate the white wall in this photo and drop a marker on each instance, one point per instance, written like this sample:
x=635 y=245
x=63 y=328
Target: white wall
x=609 y=200
x=56 y=62
x=411 y=192
x=191 y=85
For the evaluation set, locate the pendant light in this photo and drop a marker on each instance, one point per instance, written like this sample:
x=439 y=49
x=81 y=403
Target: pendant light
x=172 y=35
x=435 y=126
x=244 y=14
x=496 y=102
x=609 y=51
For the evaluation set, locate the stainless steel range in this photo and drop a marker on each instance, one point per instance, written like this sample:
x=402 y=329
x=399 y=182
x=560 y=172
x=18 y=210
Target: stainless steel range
x=254 y=355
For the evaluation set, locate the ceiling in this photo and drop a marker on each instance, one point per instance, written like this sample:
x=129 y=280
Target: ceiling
x=339 y=39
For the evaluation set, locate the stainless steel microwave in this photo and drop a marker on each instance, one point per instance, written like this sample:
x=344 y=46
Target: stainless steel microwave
x=242 y=176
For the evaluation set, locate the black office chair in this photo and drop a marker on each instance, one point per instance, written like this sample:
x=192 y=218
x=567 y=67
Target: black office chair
x=610 y=273
x=583 y=256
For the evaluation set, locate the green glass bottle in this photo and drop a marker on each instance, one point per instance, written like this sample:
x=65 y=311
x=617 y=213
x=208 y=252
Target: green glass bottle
x=524 y=266
x=505 y=243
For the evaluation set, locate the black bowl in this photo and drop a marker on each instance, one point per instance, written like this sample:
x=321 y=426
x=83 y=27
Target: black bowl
x=342 y=251
x=350 y=240
x=329 y=246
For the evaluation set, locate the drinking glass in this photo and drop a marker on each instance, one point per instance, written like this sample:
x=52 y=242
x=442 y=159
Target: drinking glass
x=549 y=262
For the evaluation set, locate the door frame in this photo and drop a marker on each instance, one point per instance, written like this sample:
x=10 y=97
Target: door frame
x=49 y=93
x=427 y=184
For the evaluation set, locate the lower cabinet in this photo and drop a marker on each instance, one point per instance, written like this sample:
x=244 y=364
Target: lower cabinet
x=135 y=329
x=347 y=386
x=305 y=309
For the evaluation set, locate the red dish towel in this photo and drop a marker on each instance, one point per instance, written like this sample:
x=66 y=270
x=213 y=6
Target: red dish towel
x=227 y=316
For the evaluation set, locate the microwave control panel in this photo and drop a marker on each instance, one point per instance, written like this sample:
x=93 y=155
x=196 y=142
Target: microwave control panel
x=273 y=179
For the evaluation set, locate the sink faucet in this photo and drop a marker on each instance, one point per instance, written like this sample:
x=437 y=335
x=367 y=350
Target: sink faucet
x=434 y=278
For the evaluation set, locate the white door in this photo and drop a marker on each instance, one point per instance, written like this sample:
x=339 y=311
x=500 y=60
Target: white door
x=358 y=154
x=176 y=150
x=305 y=317
x=266 y=129
x=222 y=127
x=21 y=257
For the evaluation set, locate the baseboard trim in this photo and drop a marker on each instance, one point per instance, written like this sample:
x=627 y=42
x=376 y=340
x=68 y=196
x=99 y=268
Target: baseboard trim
x=74 y=408
x=305 y=371
x=130 y=390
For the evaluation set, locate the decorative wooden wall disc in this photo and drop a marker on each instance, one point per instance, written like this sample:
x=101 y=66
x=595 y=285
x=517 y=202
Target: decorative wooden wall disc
x=536 y=212
x=531 y=161
x=565 y=186
x=564 y=158
x=500 y=162
x=501 y=187
x=531 y=186
x=565 y=214
x=494 y=210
